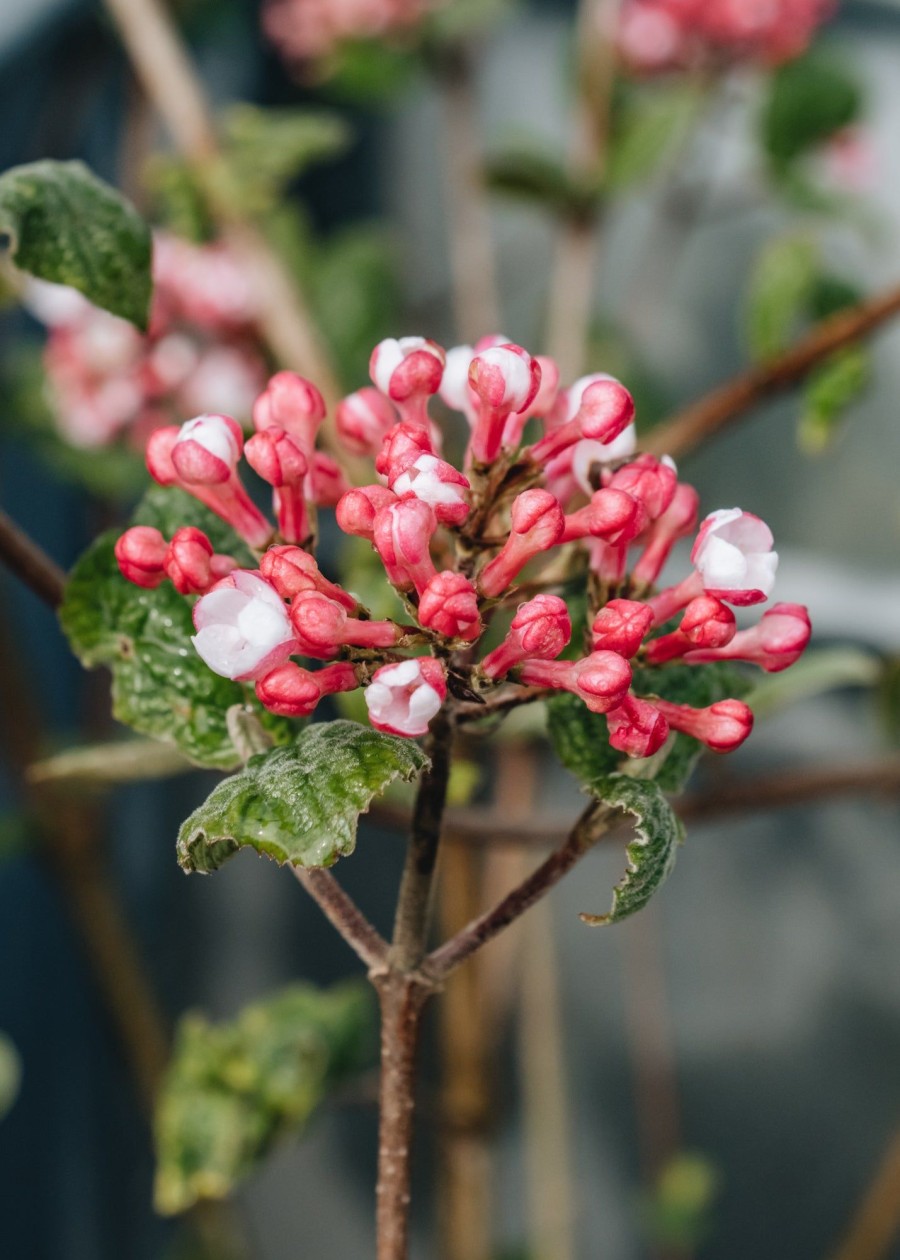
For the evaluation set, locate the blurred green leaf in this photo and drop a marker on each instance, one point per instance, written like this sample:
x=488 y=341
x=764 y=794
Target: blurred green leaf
x=160 y=687
x=677 y=1214
x=266 y=149
x=371 y=72
x=828 y=392
x=10 y=1074
x=299 y=804
x=529 y=174
x=651 y=854
x=119 y=761
x=648 y=123
x=16 y=836
x=809 y=100
x=888 y=693
x=234 y=1089
x=782 y=284
x=819 y=670
x=64 y=224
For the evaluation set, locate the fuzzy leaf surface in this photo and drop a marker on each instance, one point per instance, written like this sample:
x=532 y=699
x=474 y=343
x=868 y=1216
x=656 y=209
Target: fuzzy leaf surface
x=580 y=738
x=299 y=804
x=236 y=1088
x=651 y=854
x=65 y=225
x=160 y=686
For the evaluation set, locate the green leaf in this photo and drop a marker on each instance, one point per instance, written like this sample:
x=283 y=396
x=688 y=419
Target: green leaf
x=10 y=1074
x=160 y=686
x=781 y=287
x=677 y=1214
x=234 y=1089
x=371 y=72
x=531 y=175
x=299 y=804
x=580 y=738
x=809 y=99
x=829 y=391
x=649 y=123
x=651 y=854
x=65 y=225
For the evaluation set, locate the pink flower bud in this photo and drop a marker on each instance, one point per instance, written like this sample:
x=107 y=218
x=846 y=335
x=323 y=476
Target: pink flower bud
x=189 y=561
x=403 y=442
x=776 y=642
x=449 y=606
x=329 y=481
x=292 y=403
x=243 y=628
x=707 y=623
x=636 y=727
x=207 y=450
x=294 y=692
x=671 y=600
x=363 y=419
x=605 y=410
x=356 y=510
x=601 y=679
x=541 y=405
x=292 y=570
x=722 y=726
x=678 y=520
x=322 y=627
x=505 y=380
x=409 y=371
x=141 y=555
x=621 y=626
x=402 y=536
x=540 y=630
x=435 y=482
x=734 y=557
x=278 y=459
x=611 y=514
x=203 y=450
x=651 y=481
x=403 y=698
x=538 y=523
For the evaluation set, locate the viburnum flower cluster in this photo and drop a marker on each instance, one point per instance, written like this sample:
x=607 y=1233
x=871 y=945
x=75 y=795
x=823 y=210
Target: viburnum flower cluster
x=551 y=497
x=106 y=380
x=308 y=30
x=663 y=35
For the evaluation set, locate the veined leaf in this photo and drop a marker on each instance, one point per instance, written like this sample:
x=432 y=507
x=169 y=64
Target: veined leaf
x=299 y=804
x=65 y=225
x=651 y=854
x=234 y=1089
x=580 y=738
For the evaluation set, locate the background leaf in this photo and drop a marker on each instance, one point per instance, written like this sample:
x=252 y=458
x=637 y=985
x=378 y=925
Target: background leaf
x=580 y=738
x=828 y=393
x=299 y=804
x=648 y=124
x=160 y=686
x=530 y=174
x=67 y=226
x=234 y=1089
x=651 y=854
x=10 y=1074
x=809 y=99
x=782 y=284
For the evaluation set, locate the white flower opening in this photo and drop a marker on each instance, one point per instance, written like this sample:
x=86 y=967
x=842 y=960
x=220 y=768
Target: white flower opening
x=400 y=700
x=733 y=553
x=243 y=630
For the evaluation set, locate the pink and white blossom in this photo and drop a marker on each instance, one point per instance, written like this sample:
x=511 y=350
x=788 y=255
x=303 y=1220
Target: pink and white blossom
x=436 y=483
x=734 y=557
x=403 y=698
x=243 y=628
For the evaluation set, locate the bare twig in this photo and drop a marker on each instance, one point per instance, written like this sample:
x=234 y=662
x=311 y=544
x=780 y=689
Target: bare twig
x=568 y=318
x=587 y=830
x=30 y=563
x=170 y=80
x=876 y=1223
x=702 y=419
x=344 y=914
x=474 y=290
x=503 y=702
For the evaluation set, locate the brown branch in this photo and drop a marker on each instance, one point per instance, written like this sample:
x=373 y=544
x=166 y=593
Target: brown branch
x=704 y=418
x=343 y=914
x=30 y=563
x=587 y=830
x=781 y=790
x=504 y=702
x=164 y=68
x=876 y=1223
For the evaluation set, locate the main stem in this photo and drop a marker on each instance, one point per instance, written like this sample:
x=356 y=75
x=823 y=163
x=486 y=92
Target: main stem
x=403 y=990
